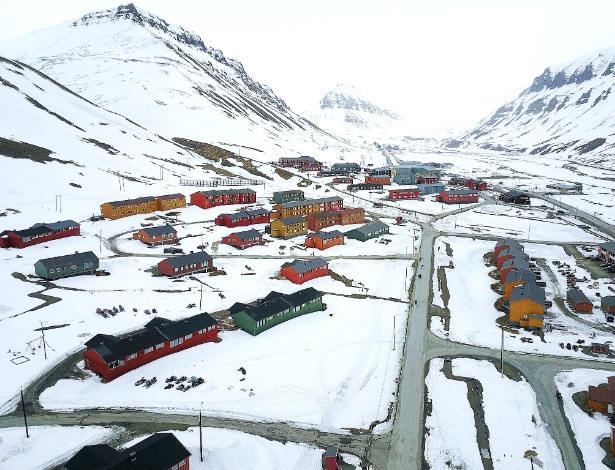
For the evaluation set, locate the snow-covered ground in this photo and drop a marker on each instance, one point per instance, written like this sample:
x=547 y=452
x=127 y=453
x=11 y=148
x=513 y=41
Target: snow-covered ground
x=588 y=430
x=511 y=416
x=47 y=446
x=473 y=314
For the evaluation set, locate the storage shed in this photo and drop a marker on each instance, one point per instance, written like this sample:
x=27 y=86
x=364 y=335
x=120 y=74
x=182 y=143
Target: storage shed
x=67 y=265
x=578 y=301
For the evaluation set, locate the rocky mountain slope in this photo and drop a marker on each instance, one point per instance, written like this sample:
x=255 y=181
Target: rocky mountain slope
x=345 y=111
x=164 y=77
x=567 y=110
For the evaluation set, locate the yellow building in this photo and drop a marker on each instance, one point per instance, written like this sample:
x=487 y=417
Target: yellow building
x=118 y=209
x=288 y=227
x=527 y=304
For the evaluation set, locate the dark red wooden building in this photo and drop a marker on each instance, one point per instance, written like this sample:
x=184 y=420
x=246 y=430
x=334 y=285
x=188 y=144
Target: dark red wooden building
x=110 y=356
x=404 y=193
x=512 y=264
x=578 y=301
x=243 y=218
x=458 y=196
x=199 y=262
x=222 y=197
x=477 y=185
x=509 y=253
x=300 y=271
x=39 y=233
x=427 y=179
x=160 y=451
x=243 y=240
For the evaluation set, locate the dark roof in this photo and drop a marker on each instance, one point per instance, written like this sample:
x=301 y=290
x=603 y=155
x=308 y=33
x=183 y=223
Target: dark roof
x=276 y=302
x=289 y=191
x=327 y=235
x=305 y=265
x=96 y=457
x=75 y=258
x=324 y=215
x=159 y=451
x=309 y=202
x=331 y=452
x=55 y=226
x=515 y=193
x=172 y=196
x=32 y=231
x=461 y=191
x=608 y=301
x=237 y=307
x=577 y=296
x=601 y=394
x=293 y=220
x=220 y=192
x=515 y=252
x=371 y=227
x=245 y=214
x=153 y=231
x=128 y=202
x=509 y=242
x=182 y=260
x=248 y=234
x=516 y=262
x=158 y=330
x=608 y=246
x=528 y=291
x=521 y=274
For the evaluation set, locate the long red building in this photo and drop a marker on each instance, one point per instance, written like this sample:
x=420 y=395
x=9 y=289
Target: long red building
x=109 y=356
x=199 y=262
x=222 y=197
x=243 y=218
x=39 y=233
x=404 y=193
x=459 y=196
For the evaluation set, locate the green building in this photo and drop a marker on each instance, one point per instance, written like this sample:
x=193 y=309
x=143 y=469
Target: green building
x=67 y=265
x=274 y=309
x=281 y=197
x=407 y=173
x=368 y=231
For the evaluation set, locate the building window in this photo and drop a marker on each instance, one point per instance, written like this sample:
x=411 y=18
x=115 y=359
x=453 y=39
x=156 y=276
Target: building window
x=161 y=345
x=132 y=356
x=51 y=271
x=148 y=350
x=188 y=336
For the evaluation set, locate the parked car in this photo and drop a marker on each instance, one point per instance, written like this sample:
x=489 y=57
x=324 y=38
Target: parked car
x=173 y=250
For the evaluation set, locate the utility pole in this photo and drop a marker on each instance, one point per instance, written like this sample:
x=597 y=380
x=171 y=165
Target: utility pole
x=201 y=432
x=201 y=301
x=23 y=407
x=58 y=202
x=502 y=355
x=100 y=240
x=44 y=343
x=393 y=333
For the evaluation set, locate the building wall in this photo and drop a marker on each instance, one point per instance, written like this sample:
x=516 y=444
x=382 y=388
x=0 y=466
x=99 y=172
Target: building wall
x=296 y=278
x=509 y=287
x=377 y=179
x=279 y=212
x=164 y=267
x=280 y=230
x=143 y=237
x=520 y=308
x=172 y=203
x=281 y=197
x=205 y=202
x=316 y=242
x=97 y=365
x=111 y=212
x=18 y=242
x=598 y=406
x=61 y=272
x=237 y=242
x=246 y=323
x=404 y=194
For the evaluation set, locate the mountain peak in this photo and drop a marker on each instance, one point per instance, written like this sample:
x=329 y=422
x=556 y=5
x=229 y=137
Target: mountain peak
x=348 y=98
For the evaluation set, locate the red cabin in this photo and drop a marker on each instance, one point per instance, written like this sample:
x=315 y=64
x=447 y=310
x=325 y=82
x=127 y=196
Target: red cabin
x=406 y=193
x=477 y=185
x=460 y=196
x=199 y=262
x=39 y=233
x=300 y=271
x=243 y=218
x=342 y=180
x=110 y=357
x=578 y=301
x=427 y=179
x=222 y=197
x=243 y=240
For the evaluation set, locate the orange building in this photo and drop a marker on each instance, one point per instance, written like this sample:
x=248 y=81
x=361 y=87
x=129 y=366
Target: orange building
x=527 y=305
x=307 y=207
x=515 y=278
x=118 y=209
x=377 y=179
x=171 y=201
x=324 y=240
x=156 y=235
x=339 y=217
x=288 y=227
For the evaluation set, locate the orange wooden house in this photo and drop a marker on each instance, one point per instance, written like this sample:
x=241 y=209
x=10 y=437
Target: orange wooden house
x=602 y=399
x=378 y=179
x=515 y=278
x=527 y=305
x=128 y=207
x=307 y=207
x=340 y=217
x=171 y=201
x=156 y=235
x=324 y=240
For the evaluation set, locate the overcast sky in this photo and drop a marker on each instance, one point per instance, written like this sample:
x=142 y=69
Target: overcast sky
x=438 y=62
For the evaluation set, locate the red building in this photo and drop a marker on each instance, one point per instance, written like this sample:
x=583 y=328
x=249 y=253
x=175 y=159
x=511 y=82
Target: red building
x=324 y=240
x=510 y=265
x=343 y=180
x=243 y=240
x=199 y=262
x=378 y=179
x=222 y=197
x=578 y=301
x=509 y=253
x=606 y=251
x=243 y=218
x=506 y=243
x=405 y=193
x=346 y=216
x=459 y=196
x=458 y=181
x=477 y=185
x=39 y=233
x=156 y=235
x=331 y=459
x=300 y=271
x=110 y=357
x=160 y=451
x=427 y=178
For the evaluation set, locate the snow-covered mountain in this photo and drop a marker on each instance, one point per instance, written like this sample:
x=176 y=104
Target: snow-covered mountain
x=568 y=109
x=164 y=77
x=345 y=111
